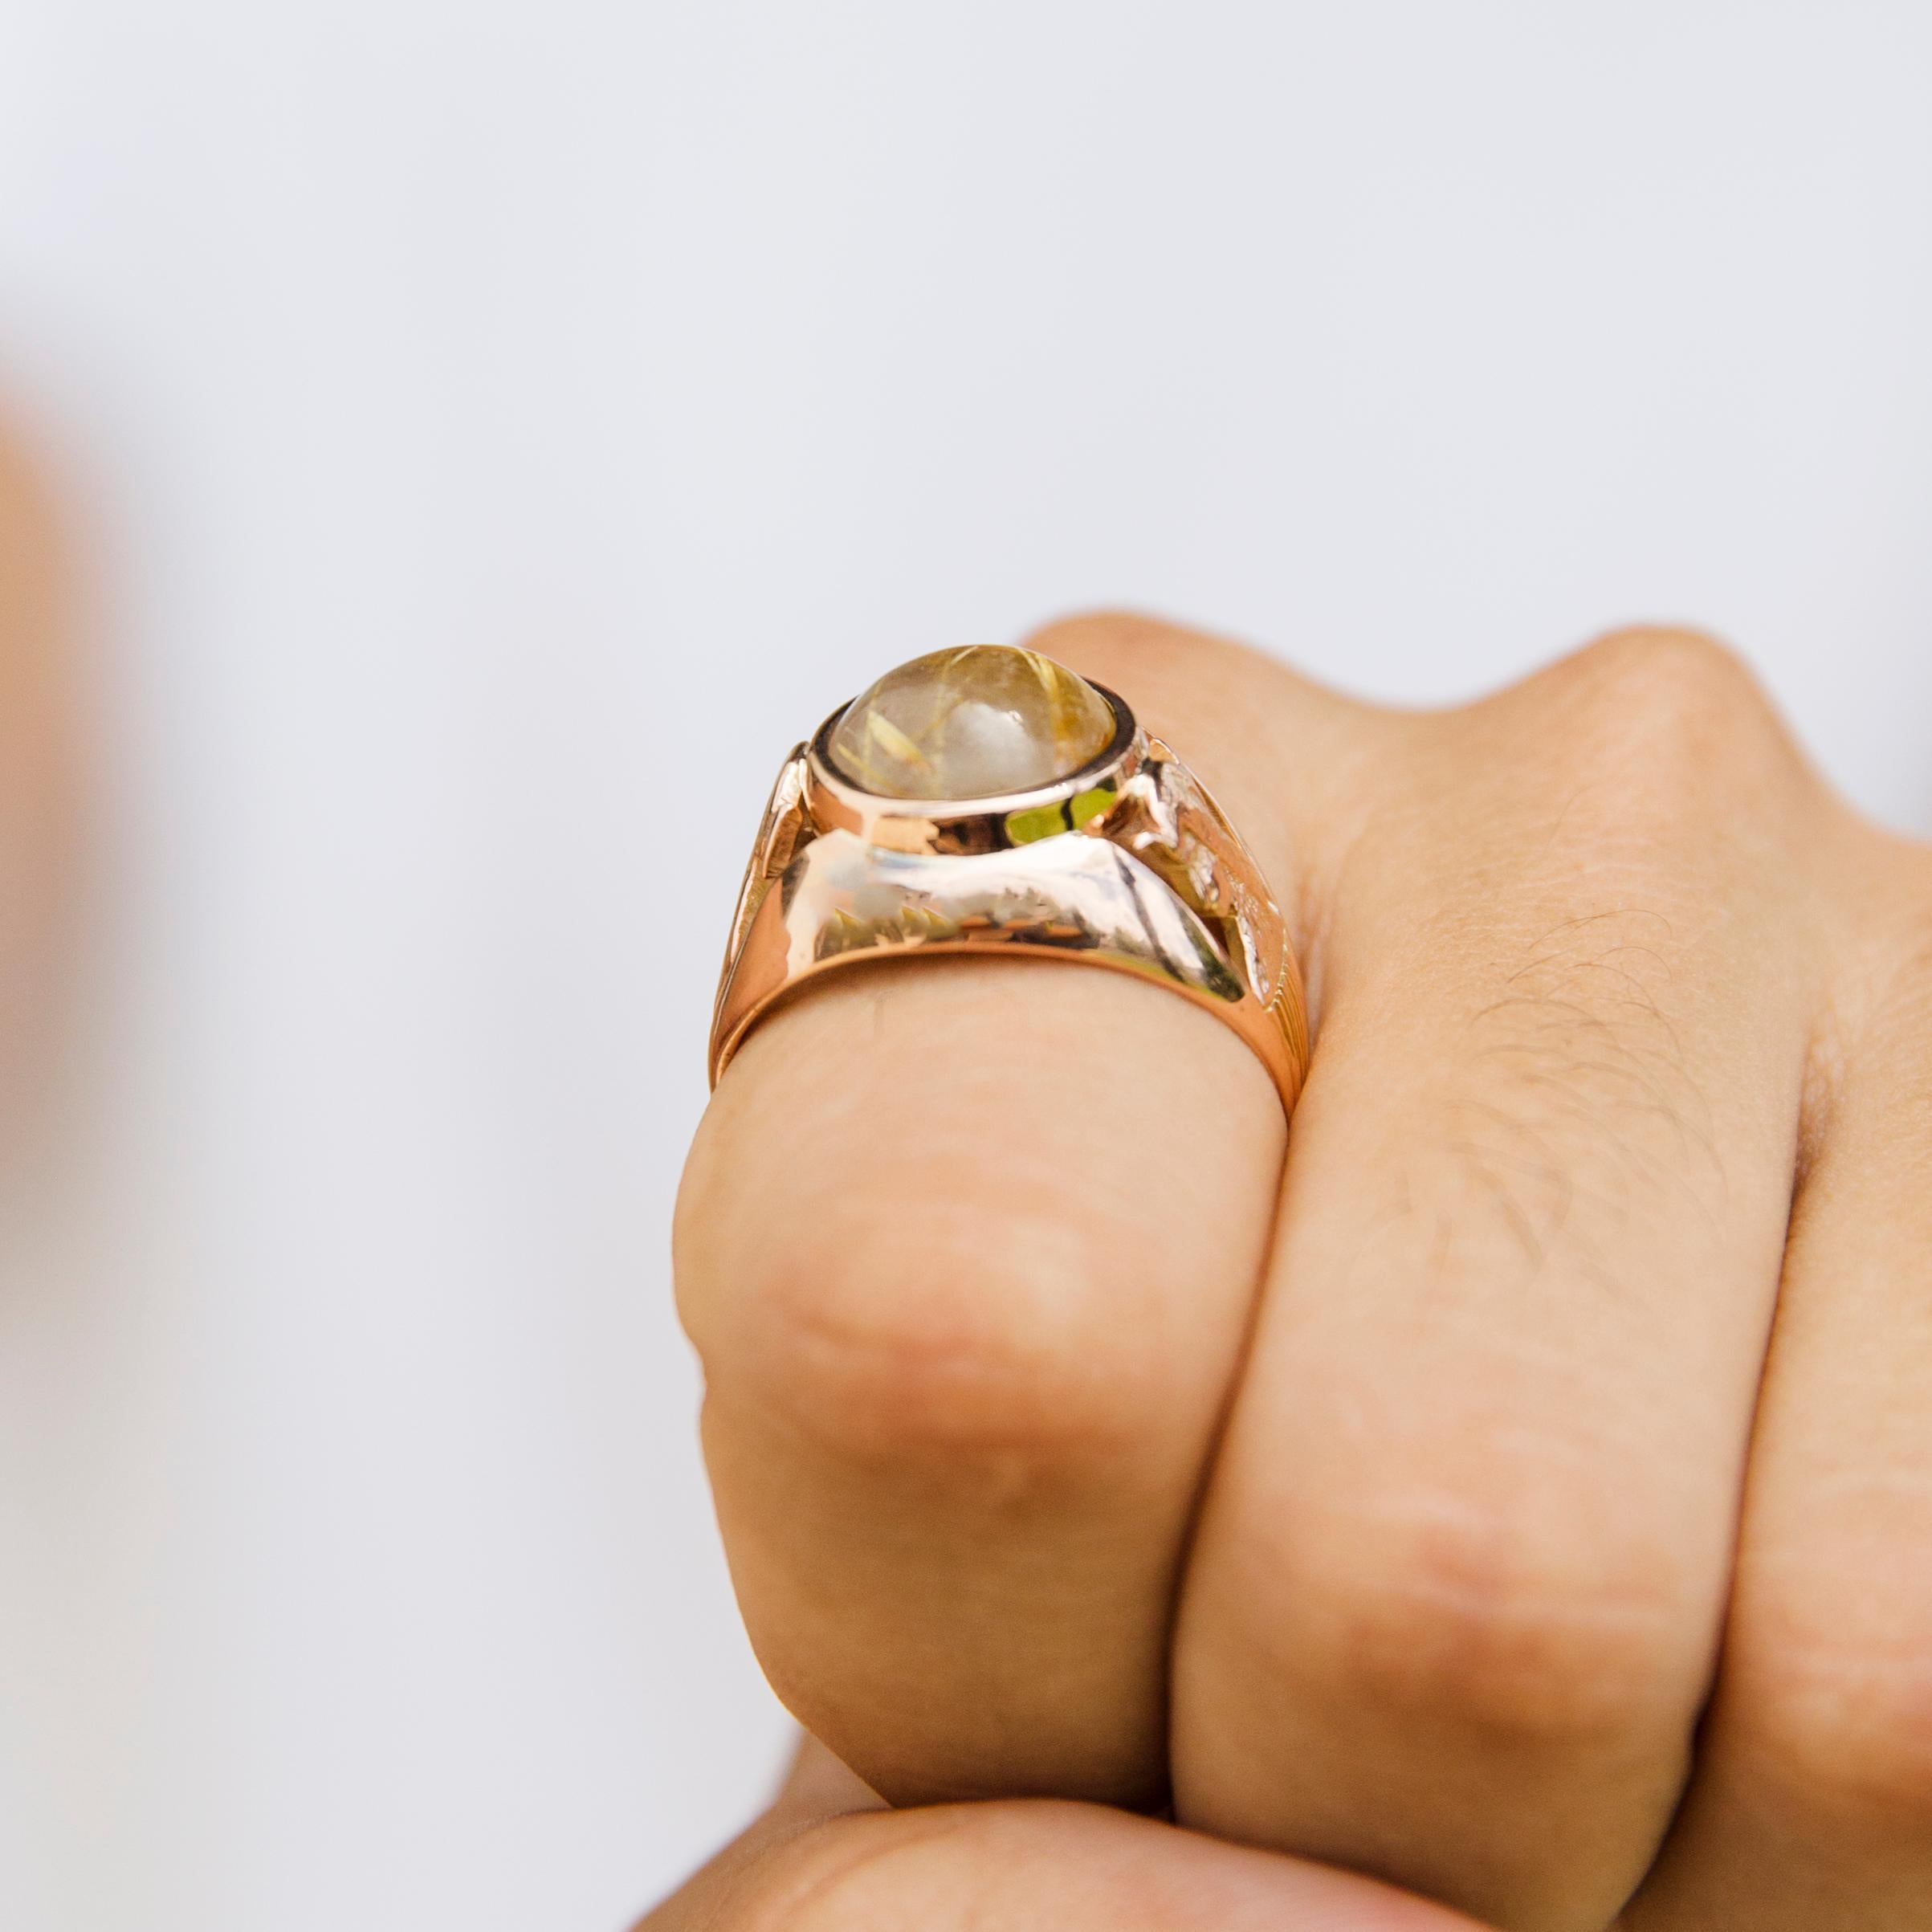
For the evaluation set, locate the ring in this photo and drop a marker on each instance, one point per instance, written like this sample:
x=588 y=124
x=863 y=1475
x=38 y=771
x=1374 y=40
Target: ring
x=988 y=800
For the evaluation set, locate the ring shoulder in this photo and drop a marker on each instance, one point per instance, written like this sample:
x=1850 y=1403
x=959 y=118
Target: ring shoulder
x=1170 y=822
x=784 y=832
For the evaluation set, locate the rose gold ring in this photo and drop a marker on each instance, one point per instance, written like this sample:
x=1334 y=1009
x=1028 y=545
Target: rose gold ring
x=988 y=801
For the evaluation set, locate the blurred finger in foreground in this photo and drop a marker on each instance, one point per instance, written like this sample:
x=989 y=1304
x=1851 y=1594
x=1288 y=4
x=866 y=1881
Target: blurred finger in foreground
x=825 y=1859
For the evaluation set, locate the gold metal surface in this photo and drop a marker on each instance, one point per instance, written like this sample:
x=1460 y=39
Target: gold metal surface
x=1126 y=863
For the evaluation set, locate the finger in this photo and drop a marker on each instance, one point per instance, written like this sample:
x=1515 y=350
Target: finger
x=36 y=780
x=817 y=1789
x=1037 y=1866
x=962 y=1363
x=969 y=1251
x=1812 y=1810
x=1463 y=1557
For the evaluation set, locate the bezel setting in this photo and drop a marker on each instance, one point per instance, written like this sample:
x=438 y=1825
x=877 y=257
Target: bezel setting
x=995 y=823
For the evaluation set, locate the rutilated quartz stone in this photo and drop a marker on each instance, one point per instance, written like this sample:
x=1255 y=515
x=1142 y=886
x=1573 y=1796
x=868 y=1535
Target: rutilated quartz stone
x=971 y=723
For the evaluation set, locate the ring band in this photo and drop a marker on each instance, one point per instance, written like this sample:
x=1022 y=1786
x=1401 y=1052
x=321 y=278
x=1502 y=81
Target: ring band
x=1125 y=862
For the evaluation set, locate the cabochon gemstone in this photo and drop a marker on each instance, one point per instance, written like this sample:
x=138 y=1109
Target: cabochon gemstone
x=971 y=723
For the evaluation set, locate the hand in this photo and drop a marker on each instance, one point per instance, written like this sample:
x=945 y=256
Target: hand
x=1469 y=1502
x=828 y=1858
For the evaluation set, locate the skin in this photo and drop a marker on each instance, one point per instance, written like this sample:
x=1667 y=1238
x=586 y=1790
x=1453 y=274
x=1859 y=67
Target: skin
x=38 y=781
x=1516 y=1486
x=828 y=1858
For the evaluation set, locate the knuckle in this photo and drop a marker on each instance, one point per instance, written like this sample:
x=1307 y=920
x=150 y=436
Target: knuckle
x=1833 y=1688
x=1479 y=1612
x=1207 y=683
x=1123 y=651
x=1675 y=700
x=1667 y=668
x=1099 y=642
x=879 y=1345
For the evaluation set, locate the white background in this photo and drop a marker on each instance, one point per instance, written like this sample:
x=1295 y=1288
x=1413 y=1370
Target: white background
x=497 y=431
